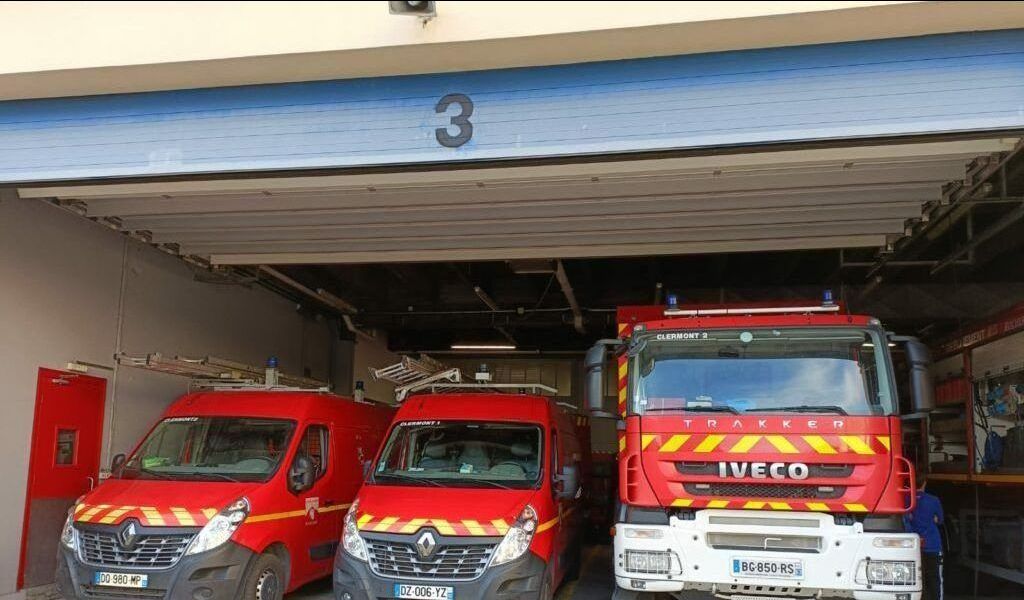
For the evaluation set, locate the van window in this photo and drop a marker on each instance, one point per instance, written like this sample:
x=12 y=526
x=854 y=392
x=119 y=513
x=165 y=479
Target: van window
x=211 y=449
x=315 y=444
x=462 y=454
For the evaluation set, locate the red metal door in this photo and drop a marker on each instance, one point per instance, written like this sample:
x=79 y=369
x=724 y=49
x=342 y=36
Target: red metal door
x=63 y=465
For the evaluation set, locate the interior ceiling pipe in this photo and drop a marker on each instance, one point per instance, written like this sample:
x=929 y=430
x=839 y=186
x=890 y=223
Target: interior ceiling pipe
x=346 y=309
x=577 y=313
x=486 y=299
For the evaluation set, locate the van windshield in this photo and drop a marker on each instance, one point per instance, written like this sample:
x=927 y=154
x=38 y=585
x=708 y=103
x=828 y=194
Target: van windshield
x=211 y=448
x=461 y=454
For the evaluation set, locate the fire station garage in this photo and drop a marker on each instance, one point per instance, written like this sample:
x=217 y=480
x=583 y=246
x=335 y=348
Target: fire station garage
x=485 y=203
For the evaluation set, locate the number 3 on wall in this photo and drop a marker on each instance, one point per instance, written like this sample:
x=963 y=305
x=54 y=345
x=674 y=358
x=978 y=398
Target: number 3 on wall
x=460 y=120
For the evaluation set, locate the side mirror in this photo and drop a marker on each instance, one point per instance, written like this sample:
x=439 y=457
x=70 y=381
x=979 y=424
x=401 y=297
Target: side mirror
x=568 y=483
x=919 y=359
x=593 y=389
x=117 y=463
x=300 y=475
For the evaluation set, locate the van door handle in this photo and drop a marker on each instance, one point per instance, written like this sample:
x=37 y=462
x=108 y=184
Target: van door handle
x=92 y=482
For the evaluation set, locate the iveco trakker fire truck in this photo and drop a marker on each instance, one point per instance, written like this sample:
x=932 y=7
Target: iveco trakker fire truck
x=760 y=453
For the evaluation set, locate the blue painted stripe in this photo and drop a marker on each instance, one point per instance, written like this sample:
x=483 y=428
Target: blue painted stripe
x=933 y=84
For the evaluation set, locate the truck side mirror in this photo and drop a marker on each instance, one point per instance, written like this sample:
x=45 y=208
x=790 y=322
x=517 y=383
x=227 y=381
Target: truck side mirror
x=919 y=359
x=593 y=389
x=568 y=482
x=300 y=475
x=117 y=463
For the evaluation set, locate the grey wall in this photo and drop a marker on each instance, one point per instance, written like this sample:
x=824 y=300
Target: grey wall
x=61 y=300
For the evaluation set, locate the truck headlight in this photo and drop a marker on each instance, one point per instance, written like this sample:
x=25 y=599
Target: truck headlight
x=351 y=541
x=517 y=539
x=891 y=572
x=220 y=528
x=67 y=535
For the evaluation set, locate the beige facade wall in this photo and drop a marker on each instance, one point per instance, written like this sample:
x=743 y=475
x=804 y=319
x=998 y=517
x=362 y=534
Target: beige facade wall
x=71 y=48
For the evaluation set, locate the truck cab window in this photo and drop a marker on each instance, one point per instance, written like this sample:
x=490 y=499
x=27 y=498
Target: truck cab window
x=315 y=445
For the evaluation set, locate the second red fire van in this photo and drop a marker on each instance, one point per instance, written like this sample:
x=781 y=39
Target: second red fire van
x=473 y=495
x=233 y=494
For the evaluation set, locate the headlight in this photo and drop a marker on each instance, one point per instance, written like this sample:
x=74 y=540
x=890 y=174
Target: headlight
x=67 y=535
x=517 y=540
x=640 y=533
x=220 y=528
x=350 y=538
x=891 y=572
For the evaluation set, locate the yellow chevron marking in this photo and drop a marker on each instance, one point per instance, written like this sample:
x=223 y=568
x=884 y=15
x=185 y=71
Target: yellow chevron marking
x=152 y=515
x=412 y=526
x=856 y=444
x=718 y=504
x=364 y=520
x=114 y=514
x=622 y=327
x=385 y=523
x=819 y=444
x=92 y=512
x=782 y=444
x=645 y=440
x=780 y=506
x=183 y=516
x=754 y=505
x=622 y=395
x=80 y=508
x=819 y=506
x=500 y=525
x=443 y=527
x=473 y=527
x=682 y=502
x=622 y=443
x=209 y=513
x=623 y=370
x=856 y=507
x=674 y=443
x=709 y=443
x=884 y=440
x=745 y=444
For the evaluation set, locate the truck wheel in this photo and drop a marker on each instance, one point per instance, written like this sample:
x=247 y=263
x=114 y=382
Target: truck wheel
x=265 y=579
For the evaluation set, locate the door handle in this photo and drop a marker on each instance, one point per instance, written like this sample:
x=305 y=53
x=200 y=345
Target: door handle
x=92 y=482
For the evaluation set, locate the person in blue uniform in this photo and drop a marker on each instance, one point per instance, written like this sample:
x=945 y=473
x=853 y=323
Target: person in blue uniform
x=925 y=520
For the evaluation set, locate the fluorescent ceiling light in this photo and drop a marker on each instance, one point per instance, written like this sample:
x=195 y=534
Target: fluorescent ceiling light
x=483 y=347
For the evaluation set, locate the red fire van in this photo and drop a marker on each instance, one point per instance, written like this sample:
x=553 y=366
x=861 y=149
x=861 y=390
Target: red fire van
x=473 y=495
x=233 y=494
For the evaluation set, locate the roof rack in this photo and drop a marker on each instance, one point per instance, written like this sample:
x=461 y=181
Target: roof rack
x=435 y=388
x=753 y=310
x=210 y=372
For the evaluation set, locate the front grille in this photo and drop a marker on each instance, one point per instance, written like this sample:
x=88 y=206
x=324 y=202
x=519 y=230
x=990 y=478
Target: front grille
x=102 y=549
x=94 y=591
x=652 y=562
x=764 y=490
x=450 y=562
x=764 y=542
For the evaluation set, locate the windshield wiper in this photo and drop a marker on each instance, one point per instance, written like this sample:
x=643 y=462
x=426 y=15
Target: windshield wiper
x=494 y=483
x=695 y=409
x=803 y=408
x=220 y=475
x=156 y=474
x=410 y=478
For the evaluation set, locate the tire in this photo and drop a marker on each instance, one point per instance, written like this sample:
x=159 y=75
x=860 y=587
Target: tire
x=265 y=579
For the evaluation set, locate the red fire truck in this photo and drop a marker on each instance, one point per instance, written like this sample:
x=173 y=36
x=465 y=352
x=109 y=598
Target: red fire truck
x=233 y=494
x=473 y=495
x=760 y=452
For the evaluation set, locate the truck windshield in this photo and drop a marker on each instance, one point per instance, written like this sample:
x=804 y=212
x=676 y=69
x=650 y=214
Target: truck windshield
x=211 y=448
x=839 y=370
x=462 y=454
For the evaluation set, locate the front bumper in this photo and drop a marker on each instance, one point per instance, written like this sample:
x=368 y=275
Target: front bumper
x=836 y=569
x=213 y=575
x=520 y=579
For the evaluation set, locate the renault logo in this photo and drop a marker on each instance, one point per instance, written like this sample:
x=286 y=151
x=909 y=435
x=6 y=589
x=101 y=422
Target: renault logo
x=425 y=544
x=128 y=534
